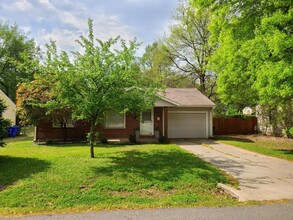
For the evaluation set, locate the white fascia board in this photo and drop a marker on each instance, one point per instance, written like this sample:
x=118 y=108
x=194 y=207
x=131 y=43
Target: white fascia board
x=169 y=101
x=197 y=106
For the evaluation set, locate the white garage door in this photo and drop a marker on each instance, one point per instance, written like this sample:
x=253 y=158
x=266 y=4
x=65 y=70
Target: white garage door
x=187 y=125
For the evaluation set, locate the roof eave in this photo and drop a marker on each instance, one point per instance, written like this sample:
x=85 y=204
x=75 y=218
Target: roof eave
x=197 y=106
x=169 y=100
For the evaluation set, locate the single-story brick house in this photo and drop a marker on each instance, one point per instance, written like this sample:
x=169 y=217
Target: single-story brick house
x=178 y=113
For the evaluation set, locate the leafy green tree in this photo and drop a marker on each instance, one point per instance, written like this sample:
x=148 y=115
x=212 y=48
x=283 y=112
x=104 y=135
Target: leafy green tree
x=156 y=63
x=188 y=46
x=254 y=54
x=37 y=102
x=18 y=58
x=4 y=123
x=100 y=79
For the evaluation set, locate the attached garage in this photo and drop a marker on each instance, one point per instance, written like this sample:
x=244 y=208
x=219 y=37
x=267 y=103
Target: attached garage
x=187 y=113
x=187 y=124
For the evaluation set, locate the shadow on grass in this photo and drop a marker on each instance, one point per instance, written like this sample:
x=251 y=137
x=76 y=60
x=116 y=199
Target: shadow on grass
x=231 y=138
x=18 y=138
x=13 y=169
x=283 y=151
x=163 y=166
x=119 y=145
x=72 y=145
x=83 y=144
x=62 y=144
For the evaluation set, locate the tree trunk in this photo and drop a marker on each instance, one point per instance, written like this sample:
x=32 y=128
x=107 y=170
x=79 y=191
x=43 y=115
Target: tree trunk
x=92 y=149
x=92 y=138
x=202 y=84
x=64 y=132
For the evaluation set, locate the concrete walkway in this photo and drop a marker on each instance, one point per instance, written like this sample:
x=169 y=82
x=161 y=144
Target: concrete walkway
x=261 y=177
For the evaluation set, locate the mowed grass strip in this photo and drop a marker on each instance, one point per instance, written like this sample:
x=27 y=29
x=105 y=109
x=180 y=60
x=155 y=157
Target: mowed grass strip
x=46 y=179
x=280 y=147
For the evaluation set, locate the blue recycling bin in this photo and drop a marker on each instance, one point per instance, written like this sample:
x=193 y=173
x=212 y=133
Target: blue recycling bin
x=13 y=131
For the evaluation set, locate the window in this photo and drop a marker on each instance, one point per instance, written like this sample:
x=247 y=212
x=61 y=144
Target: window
x=115 y=120
x=69 y=124
x=146 y=116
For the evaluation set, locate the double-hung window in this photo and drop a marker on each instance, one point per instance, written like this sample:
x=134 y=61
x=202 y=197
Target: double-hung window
x=115 y=120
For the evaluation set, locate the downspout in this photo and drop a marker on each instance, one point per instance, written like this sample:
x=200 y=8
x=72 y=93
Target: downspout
x=35 y=134
x=163 y=121
x=211 y=122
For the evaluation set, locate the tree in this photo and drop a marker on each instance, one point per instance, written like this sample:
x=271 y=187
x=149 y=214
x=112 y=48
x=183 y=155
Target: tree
x=156 y=63
x=101 y=79
x=16 y=50
x=254 y=54
x=37 y=102
x=4 y=123
x=188 y=46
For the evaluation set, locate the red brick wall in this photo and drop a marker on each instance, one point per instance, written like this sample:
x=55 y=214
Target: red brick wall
x=45 y=130
x=166 y=120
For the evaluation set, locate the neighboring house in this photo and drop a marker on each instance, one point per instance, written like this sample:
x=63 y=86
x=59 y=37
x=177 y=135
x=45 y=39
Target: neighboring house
x=247 y=111
x=178 y=113
x=10 y=112
x=263 y=121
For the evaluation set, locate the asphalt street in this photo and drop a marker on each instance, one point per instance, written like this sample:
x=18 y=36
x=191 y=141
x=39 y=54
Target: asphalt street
x=281 y=211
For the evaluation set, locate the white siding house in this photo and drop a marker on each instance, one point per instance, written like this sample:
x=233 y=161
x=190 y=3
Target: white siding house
x=10 y=112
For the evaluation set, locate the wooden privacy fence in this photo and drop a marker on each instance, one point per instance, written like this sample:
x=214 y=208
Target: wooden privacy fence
x=222 y=126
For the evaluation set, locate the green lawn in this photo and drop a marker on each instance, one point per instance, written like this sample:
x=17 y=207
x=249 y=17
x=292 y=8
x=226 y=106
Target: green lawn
x=276 y=147
x=45 y=179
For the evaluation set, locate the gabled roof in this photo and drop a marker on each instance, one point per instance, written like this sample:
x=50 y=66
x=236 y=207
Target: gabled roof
x=7 y=99
x=185 y=97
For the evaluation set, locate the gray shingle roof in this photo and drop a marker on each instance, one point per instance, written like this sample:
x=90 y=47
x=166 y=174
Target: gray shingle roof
x=186 y=97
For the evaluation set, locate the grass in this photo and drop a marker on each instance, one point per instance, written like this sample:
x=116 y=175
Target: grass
x=47 y=179
x=276 y=147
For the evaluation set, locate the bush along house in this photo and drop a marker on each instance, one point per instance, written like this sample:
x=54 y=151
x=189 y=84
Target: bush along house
x=178 y=113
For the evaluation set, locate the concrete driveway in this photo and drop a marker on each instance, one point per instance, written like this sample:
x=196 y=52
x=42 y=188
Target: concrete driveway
x=261 y=177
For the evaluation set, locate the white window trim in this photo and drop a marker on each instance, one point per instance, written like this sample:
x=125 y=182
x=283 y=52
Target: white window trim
x=115 y=127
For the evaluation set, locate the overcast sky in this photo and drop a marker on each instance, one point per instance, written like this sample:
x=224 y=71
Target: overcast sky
x=65 y=20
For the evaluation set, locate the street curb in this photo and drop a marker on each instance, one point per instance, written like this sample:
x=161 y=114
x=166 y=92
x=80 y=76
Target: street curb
x=228 y=189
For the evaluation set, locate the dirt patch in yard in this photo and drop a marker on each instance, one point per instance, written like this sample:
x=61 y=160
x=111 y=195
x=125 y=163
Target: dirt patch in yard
x=2 y=187
x=265 y=141
x=151 y=192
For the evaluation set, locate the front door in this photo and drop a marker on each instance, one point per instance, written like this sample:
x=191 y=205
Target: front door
x=146 y=123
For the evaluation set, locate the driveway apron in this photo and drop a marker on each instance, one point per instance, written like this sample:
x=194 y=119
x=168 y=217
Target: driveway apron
x=261 y=177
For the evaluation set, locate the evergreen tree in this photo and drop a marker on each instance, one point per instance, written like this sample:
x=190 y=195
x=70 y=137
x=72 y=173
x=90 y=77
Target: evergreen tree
x=4 y=123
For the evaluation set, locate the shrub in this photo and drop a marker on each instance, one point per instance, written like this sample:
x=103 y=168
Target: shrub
x=163 y=140
x=290 y=132
x=132 y=138
x=49 y=142
x=4 y=123
x=104 y=140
